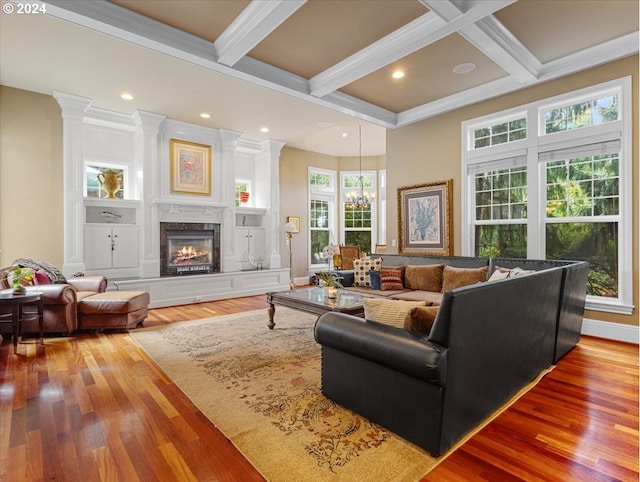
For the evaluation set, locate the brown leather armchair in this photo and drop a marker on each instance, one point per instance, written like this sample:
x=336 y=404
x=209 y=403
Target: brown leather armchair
x=60 y=305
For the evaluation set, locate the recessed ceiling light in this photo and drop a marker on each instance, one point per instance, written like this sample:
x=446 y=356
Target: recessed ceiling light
x=204 y=115
x=126 y=96
x=398 y=74
x=344 y=134
x=264 y=130
x=464 y=68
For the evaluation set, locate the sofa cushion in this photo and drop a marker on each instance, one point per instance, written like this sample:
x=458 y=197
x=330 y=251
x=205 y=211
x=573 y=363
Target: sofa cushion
x=391 y=279
x=420 y=319
x=429 y=297
x=389 y=312
x=361 y=270
x=424 y=277
x=374 y=277
x=457 y=277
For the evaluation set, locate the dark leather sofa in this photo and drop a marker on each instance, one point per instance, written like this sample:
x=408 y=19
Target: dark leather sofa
x=488 y=341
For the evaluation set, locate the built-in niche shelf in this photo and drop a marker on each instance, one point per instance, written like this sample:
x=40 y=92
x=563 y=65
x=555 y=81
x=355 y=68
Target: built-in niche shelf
x=112 y=211
x=250 y=217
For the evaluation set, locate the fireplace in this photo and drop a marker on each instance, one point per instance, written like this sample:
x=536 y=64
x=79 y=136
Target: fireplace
x=189 y=248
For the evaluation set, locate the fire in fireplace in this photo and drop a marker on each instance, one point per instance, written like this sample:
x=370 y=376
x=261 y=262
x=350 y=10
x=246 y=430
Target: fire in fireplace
x=189 y=248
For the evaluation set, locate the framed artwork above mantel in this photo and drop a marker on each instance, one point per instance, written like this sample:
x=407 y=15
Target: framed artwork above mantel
x=425 y=216
x=190 y=168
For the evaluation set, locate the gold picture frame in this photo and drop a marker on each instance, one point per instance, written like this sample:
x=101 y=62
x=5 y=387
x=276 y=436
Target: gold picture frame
x=425 y=215
x=296 y=222
x=190 y=168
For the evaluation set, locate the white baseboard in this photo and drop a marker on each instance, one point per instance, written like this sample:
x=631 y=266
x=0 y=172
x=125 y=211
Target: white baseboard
x=611 y=331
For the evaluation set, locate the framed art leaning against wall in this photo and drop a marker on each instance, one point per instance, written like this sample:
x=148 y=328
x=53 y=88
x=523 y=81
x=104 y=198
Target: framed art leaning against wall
x=425 y=219
x=190 y=168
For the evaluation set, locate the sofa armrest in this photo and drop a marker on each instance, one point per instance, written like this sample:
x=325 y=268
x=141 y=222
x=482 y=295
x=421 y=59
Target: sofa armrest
x=55 y=294
x=89 y=283
x=393 y=347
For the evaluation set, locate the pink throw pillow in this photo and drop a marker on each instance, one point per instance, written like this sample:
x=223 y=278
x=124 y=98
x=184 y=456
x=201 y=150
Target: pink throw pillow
x=41 y=278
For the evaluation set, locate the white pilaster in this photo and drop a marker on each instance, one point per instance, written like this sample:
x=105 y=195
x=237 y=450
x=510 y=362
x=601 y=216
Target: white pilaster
x=73 y=112
x=146 y=168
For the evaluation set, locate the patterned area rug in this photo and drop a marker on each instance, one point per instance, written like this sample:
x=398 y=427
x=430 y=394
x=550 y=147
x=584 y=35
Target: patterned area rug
x=261 y=388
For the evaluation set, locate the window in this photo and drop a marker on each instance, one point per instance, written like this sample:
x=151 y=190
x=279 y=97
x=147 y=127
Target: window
x=359 y=209
x=560 y=189
x=322 y=214
x=500 y=133
x=242 y=187
x=101 y=179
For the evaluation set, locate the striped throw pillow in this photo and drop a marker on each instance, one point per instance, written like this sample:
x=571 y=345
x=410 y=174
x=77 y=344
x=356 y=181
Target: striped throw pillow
x=391 y=279
x=389 y=312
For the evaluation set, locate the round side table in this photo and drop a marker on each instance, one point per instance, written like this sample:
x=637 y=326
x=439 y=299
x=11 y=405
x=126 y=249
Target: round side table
x=16 y=303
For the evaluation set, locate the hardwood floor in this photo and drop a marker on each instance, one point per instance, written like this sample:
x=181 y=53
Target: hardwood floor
x=94 y=407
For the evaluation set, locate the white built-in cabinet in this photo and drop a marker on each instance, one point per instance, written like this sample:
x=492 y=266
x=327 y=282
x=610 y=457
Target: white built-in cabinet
x=250 y=238
x=111 y=247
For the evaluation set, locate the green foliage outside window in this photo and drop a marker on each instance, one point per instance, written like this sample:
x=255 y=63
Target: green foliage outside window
x=593 y=242
x=319 y=180
x=362 y=239
x=501 y=133
x=585 y=114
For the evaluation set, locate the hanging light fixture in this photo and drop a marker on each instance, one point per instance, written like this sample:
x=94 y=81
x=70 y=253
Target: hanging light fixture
x=360 y=199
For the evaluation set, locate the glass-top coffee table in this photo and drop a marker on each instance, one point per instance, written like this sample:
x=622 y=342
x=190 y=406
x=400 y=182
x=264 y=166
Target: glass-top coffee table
x=315 y=301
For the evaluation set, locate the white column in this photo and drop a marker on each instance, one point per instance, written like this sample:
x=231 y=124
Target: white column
x=274 y=225
x=147 y=165
x=73 y=112
x=229 y=260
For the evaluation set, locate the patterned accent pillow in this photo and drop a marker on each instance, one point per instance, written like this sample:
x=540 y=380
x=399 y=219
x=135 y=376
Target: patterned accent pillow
x=376 y=282
x=391 y=279
x=54 y=274
x=389 y=312
x=361 y=270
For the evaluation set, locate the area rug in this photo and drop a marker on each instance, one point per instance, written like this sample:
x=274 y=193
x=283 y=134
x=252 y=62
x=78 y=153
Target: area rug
x=261 y=388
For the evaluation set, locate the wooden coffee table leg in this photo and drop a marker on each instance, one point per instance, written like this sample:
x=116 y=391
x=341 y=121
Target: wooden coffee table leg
x=272 y=312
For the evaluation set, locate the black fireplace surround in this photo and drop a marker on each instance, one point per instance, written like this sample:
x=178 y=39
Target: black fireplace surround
x=189 y=248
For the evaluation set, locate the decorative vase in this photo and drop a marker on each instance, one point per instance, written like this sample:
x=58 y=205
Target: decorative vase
x=244 y=197
x=19 y=290
x=331 y=291
x=111 y=182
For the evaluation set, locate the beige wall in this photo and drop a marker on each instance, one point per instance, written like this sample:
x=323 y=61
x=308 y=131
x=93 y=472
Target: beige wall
x=431 y=151
x=31 y=196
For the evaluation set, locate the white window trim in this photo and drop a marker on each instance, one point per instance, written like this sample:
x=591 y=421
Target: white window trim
x=537 y=140
x=322 y=194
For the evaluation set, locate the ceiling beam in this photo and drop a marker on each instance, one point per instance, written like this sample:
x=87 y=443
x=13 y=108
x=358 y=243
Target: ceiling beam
x=255 y=22
x=492 y=38
x=416 y=35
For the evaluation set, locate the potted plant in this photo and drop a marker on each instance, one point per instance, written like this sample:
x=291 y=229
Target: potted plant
x=331 y=282
x=17 y=275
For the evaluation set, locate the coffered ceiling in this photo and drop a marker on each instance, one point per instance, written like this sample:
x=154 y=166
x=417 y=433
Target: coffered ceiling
x=309 y=70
